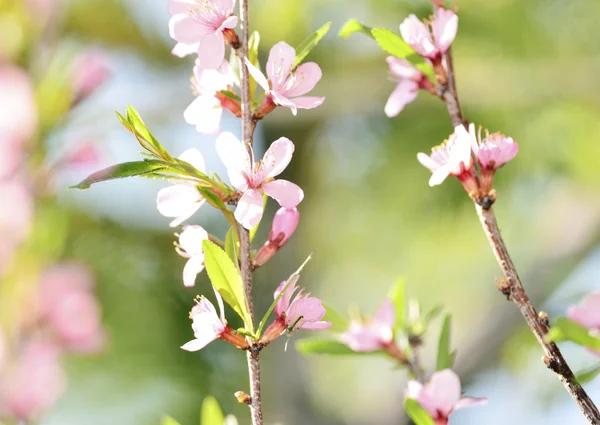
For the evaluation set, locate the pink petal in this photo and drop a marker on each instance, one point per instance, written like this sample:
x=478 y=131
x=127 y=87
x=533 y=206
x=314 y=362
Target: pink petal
x=211 y=51
x=305 y=310
x=191 y=239
x=193 y=157
x=444 y=27
x=439 y=176
x=249 y=210
x=417 y=35
x=185 y=29
x=360 y=339
x=444 y=388
x=307 y=102
x=205 y=113
x=181 y=6
x=181 y=49
x=180 y=201
x=401 y=68
x=280 y=100
x=427 y=162
x=192 y=268
x=198 y=344
x=405 y=92
x=277 y=157
x=224 y=5
x=230 y=22
x=280 y=62
x=306 y=78
x=286 y=193
x=18 y=110
x=235 y=157
x=316 y=326
x=284 y=302
x=470 y=401
x=386 y=315
x=258 y=76
x=587 y=312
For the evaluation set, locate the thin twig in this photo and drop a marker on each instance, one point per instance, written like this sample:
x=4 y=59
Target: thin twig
x=248 y=126
x=515 y=291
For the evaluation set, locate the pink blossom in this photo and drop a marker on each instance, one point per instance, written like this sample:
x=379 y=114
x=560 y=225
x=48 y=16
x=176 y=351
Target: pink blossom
x=202 y=23
x=206 y=324
x=16 y=211
x=431 y=44
x=3 y=350
x=34 y=383
x=494 y=150
x=284 y=225
x=182 y=199
x=18 y=111
x=85 y=154
x=451 y=158
x=376 y=333
x=253 y=178
x=206 y=110
x=285 y=87
x=89 y=72
x=587 y=312
x=68 y=304
x=298 y=309
x=408 y=78
x=190 y=247
x=441 y=395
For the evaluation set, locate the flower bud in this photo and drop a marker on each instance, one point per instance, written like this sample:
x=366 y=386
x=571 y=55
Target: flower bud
x=284 y=225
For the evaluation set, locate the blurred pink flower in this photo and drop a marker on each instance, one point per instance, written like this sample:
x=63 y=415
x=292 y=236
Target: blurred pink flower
x=206 y=324
x=16 y=215
x=206 y=110
x=284 y=87
x=587 y=312
x=3 y=351
x=441 y=395
x=89 y=71
x=182 y=199
x=431 y=44
x=190 y=247
x=33 y=383
x=451 y=158
x=18 y=110
x=201 y=23
x=494 y=150
x=68 y=303
x=297 y=309
x=284 y=224
x=376 y=333
x=408 y=78
x=251 y=178
x=84 y=155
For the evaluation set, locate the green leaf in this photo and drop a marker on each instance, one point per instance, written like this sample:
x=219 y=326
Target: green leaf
x=139 y=129
x=588 y=374
x=212 y=198
x=309 y=43
x=393 y=44
x=253 y=231
x=338 y=322
x=323 y=346
x=167 y=420
x=225 y=277
x=397 y=295
x=253 y=43
x=232 y=245
x=231 y=95
x=351 y=26
x=211 y=413
x=565 y=329
x=119 y=171
x=418 y=415
x=445 y=357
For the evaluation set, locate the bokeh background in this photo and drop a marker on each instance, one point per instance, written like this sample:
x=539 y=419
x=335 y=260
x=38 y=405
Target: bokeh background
x=528 y=69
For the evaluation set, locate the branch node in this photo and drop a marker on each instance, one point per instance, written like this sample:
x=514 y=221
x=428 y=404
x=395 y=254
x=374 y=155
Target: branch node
x=243 y=398
x=505 y=287
x=544 y=318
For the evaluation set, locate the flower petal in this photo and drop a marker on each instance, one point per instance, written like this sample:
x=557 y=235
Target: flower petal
x=194 y=157
x=306 y=78
x=182 y=49
x=205 y=113
x=192 y=268
x=439 y=176
x=211 y=51
x=386 y=315
x=444 y=28
x=280 y=63
x=234 y=156
x=185 y=29
x=277 y=157
x=427 y=162
x=258 y=76
x=249 y=210
x=401 y=68
x=181 y=6
x=405 y=92
x=470 y=401
x=180 y=201
x=307 y=102
x=444 y=388
x=286 y=193
x=191 y=239
x=230 y=22
x=417 y=35
x=198 y=344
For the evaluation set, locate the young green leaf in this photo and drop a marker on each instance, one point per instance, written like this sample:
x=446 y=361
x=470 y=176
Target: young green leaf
x=212 y=198
x=141 y=131
x=323 y=346
x=565 y=329
x=119 y=171
x=445 y=357
x=167 y=420
x=397 y=295
x=351 y=26
x=393 y=44
x=211 y=413
x=309 y=43
x=338 y=322
x=418 y=415
x=225 y=277
x=253 y=43
x=588 y=374
x=232 y=245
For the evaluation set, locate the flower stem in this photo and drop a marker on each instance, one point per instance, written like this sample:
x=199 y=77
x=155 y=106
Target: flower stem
x=248 y=125
x=514 y=290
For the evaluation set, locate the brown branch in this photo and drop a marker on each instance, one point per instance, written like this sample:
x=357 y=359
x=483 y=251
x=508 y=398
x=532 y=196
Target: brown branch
x=248 y=126
x=514 y=290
